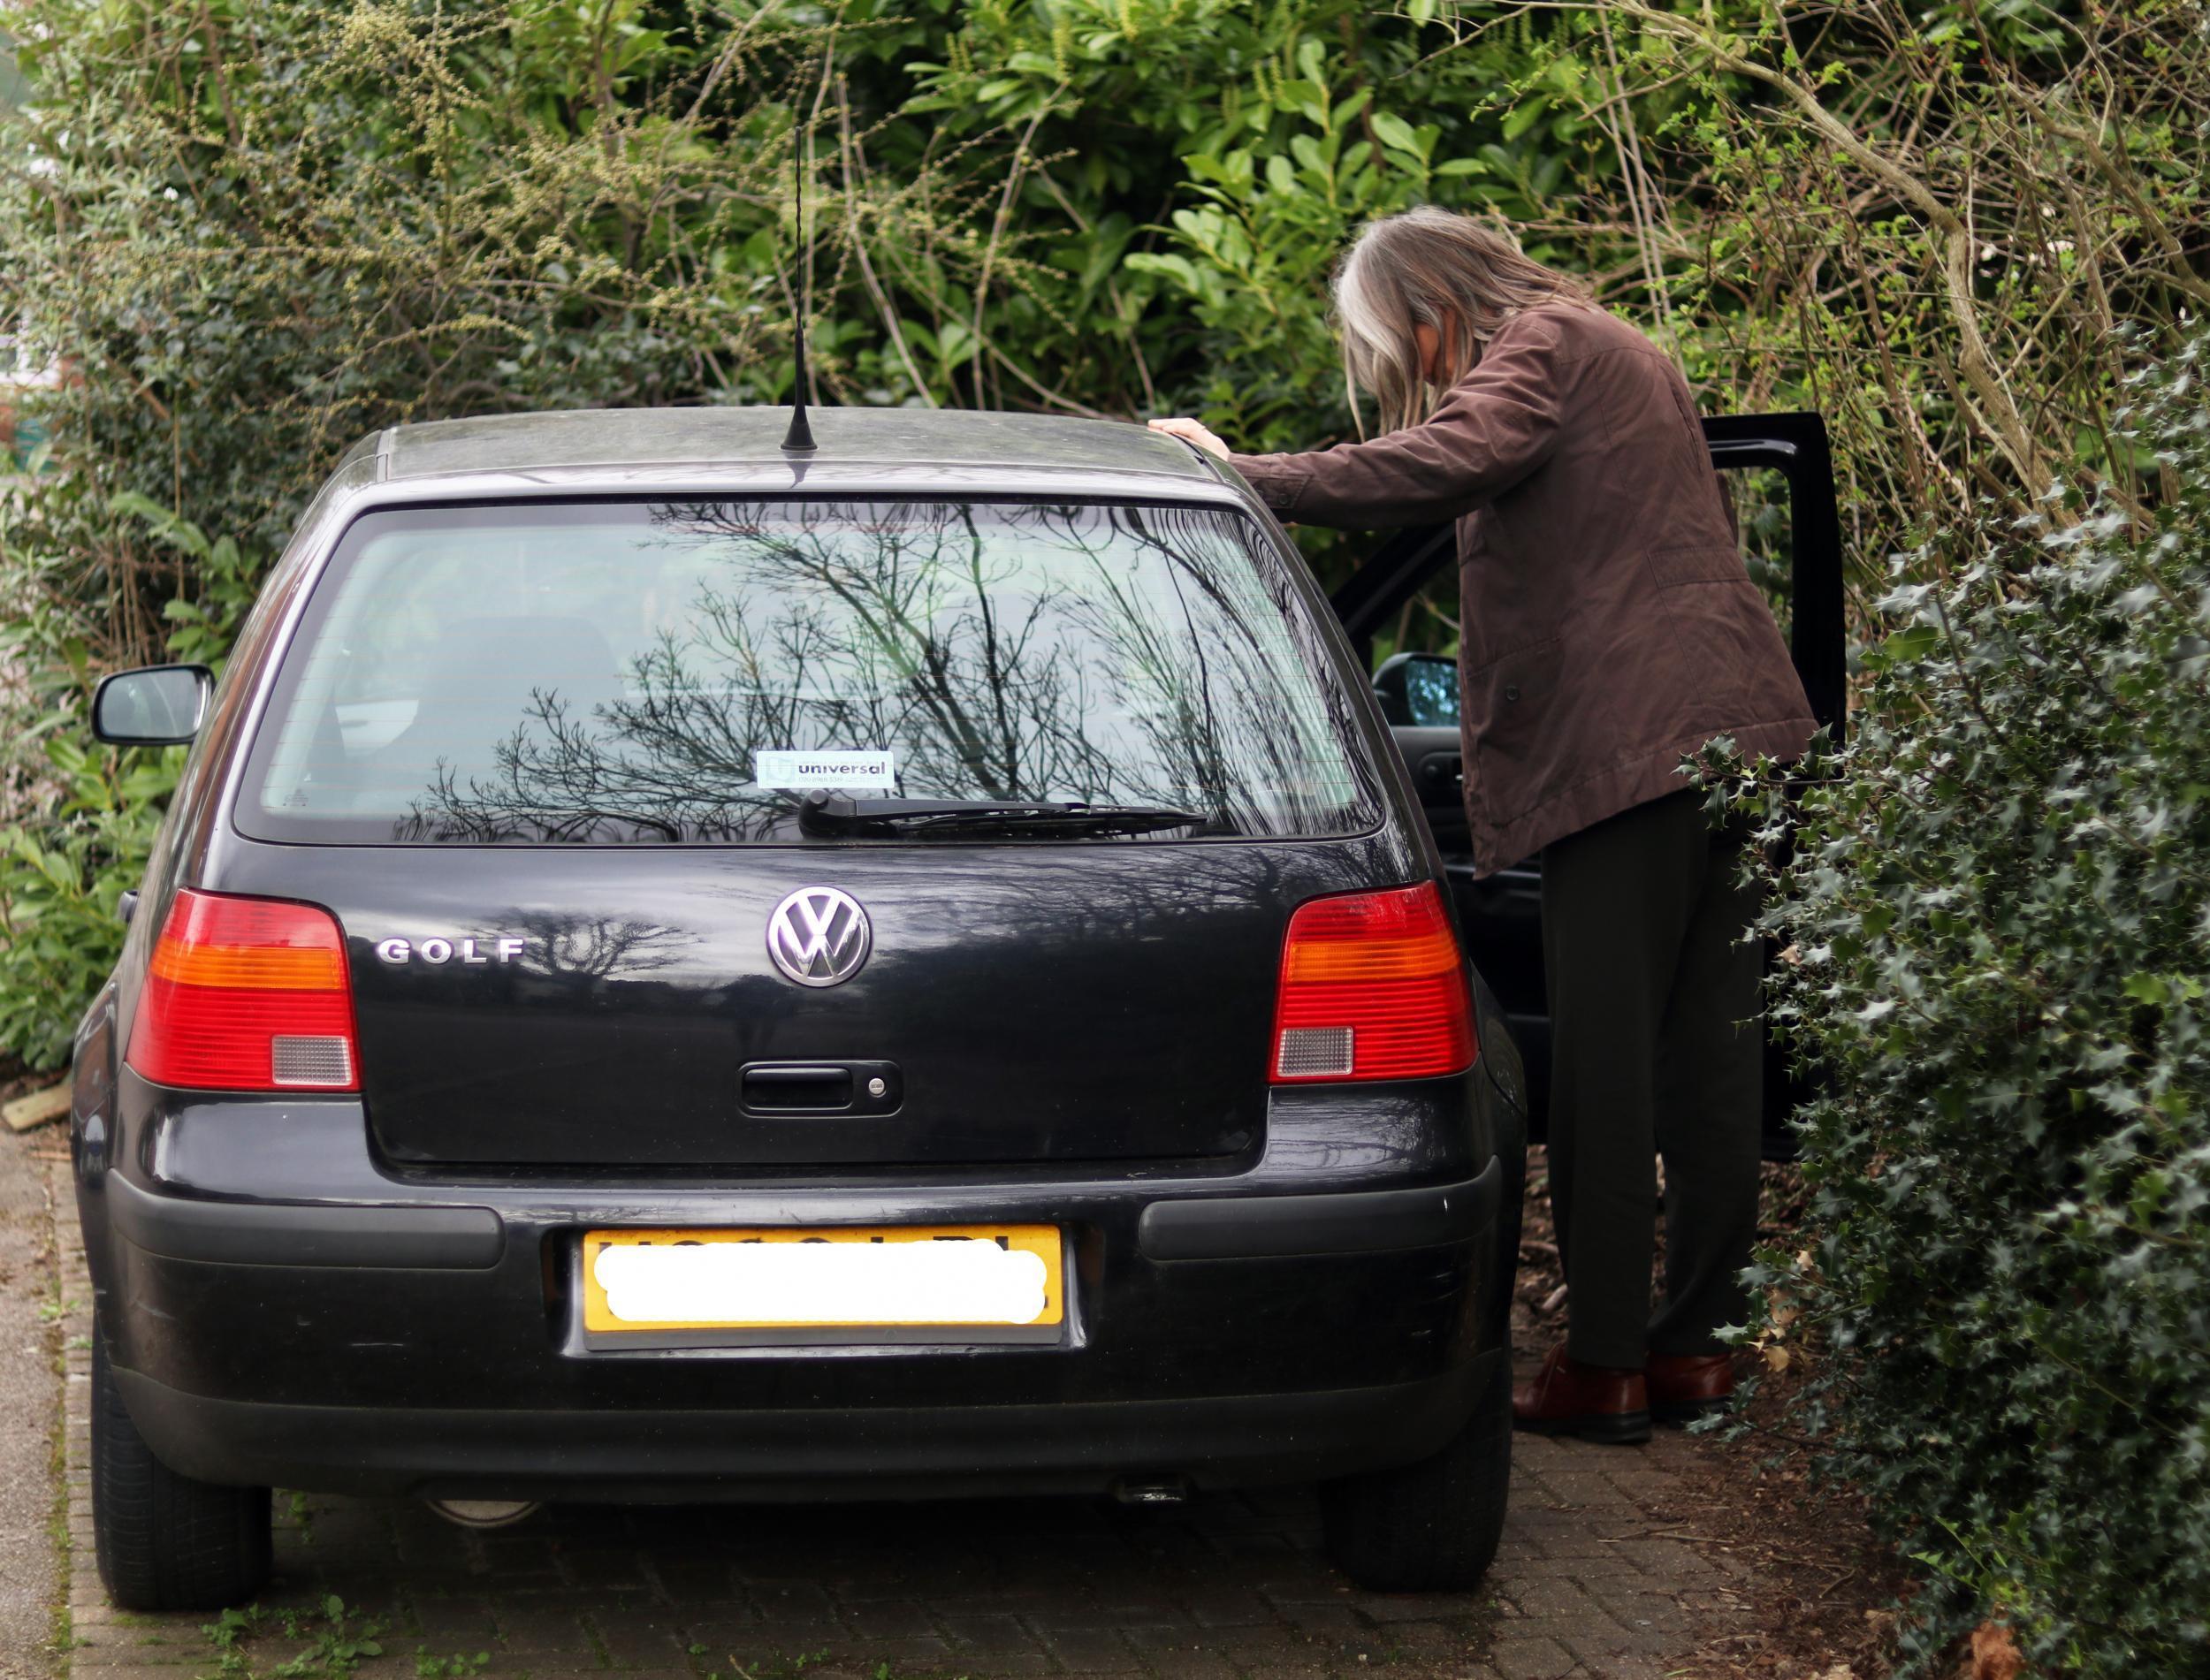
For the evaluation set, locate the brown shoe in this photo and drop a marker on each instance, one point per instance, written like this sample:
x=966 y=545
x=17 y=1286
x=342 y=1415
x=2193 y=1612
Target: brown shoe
x=1593 y=1402
x=1686 y=1386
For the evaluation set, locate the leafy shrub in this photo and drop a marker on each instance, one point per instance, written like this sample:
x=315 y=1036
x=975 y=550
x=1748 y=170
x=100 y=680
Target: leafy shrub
x=59 y=882
x=1997 y=915
x=251 y=232
x=246 y=231
x=63 y=870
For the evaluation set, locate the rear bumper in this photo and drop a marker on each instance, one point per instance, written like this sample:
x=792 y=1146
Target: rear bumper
x=1237 y=1440
x=461 y=1238
x=283 y=1308
x=304 y=1234
x=1347 y=1222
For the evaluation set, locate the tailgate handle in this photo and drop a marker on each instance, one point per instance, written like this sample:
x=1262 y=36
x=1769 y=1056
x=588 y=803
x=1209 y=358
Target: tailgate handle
x=819 y=1087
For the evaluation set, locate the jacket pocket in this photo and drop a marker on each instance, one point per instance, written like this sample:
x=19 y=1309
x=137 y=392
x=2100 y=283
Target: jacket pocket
x=1725 y=647
x=1680 y=563
x=1509 y=703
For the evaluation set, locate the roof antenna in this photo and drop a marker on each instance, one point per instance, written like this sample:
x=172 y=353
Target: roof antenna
x=799 y=439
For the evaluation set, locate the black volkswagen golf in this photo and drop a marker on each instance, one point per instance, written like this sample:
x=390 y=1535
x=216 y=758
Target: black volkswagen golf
x=679 y=971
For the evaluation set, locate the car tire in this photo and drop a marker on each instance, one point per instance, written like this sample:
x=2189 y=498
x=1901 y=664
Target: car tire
x=164 y=1541
x=1433 y=1527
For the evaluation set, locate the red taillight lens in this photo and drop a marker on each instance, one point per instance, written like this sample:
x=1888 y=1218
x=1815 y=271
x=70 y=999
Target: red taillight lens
x=247 y=994
x=1373 y=987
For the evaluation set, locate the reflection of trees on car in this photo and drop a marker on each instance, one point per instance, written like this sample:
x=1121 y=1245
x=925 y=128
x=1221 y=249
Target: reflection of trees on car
x=580 y=951
x=934 y=652
x=1112 y=655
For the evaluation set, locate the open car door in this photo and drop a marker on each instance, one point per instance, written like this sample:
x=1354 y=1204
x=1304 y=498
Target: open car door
x=1780 y=473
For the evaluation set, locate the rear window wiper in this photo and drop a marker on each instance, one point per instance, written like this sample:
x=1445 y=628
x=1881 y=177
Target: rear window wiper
x=841 y=815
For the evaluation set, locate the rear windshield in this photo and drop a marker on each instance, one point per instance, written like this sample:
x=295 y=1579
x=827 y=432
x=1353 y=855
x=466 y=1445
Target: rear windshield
x=641 y=672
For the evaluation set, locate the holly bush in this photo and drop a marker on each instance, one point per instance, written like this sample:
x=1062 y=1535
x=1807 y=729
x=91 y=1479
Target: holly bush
x=1995 y=913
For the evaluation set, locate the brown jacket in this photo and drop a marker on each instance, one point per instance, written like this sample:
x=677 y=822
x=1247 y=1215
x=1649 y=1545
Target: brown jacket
x=1610 y=625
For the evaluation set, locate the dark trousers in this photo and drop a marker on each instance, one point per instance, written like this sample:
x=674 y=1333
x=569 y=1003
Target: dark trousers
x=1654 y=1048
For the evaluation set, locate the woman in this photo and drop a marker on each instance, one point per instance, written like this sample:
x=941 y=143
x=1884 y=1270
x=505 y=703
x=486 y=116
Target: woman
x=1610 y=628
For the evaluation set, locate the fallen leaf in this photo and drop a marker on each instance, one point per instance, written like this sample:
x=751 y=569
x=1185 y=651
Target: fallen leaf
x=1996 y=1653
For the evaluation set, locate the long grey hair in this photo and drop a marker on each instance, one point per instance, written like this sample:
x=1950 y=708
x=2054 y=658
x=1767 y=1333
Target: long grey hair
x=1429 y=267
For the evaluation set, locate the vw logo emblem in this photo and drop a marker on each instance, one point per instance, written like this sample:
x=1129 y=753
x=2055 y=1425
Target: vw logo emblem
x=819 y=936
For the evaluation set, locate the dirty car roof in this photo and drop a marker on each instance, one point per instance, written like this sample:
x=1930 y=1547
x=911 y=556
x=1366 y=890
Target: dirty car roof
x=902 y=438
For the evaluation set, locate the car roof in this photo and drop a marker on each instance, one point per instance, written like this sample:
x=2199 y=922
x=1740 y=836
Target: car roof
x=905 y=439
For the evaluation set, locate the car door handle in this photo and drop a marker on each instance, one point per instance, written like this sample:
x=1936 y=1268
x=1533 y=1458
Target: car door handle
x=1440 y=774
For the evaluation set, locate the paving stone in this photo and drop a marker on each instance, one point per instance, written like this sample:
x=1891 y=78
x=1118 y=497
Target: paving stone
x=603 y=1572
x=1092 y=1651
x=1555 y=1597
x=637 y=1639
x=888 y=1619
x=544 y=1634
x=1563 y=1535
x=1432 y=1638
x=793 y=1602
x=1228 y=1609
x=793 y=1638
x=1532 y=1659
x=706 y=1588
x=1673 y=1561
x=991 y=1636
x=1659 y=1608
x=1253 y=1647
x=1606 y=1646
x=1336 y=1621
x=453 y=1621
x=1302 y=1666
x=1589 y=1490
x=1423 y=1607
x=1173 y=1652
x=1006 y=1667
x=719 y=1641
x=898 y=1654
x=1531 y=1568
x=1630 y=1668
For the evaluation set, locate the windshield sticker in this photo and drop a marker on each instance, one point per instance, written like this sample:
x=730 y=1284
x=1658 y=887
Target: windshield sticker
x=800 y=771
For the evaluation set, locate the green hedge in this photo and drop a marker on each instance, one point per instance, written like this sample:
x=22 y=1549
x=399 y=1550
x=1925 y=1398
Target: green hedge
x=257 y=229
x=253 y=229
x=1997 y=917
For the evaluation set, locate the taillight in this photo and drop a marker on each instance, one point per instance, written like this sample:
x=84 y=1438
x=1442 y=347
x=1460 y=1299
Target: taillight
x=1373 y=986
x=247 y=994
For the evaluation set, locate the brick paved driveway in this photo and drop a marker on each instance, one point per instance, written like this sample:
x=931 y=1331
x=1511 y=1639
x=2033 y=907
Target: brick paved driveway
x=1590 y=1582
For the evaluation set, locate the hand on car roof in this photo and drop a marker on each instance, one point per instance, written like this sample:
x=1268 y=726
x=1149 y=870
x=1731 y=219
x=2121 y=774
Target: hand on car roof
x=1192 y=431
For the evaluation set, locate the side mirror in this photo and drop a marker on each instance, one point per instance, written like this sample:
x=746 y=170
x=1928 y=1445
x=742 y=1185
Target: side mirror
x=157 y=705
x=1419 y=690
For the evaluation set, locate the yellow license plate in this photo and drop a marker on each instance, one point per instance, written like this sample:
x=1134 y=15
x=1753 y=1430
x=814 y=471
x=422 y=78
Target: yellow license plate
x=908 y=1282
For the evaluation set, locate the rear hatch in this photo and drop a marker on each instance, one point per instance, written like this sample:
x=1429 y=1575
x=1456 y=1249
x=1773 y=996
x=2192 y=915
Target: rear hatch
x=546 y=764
